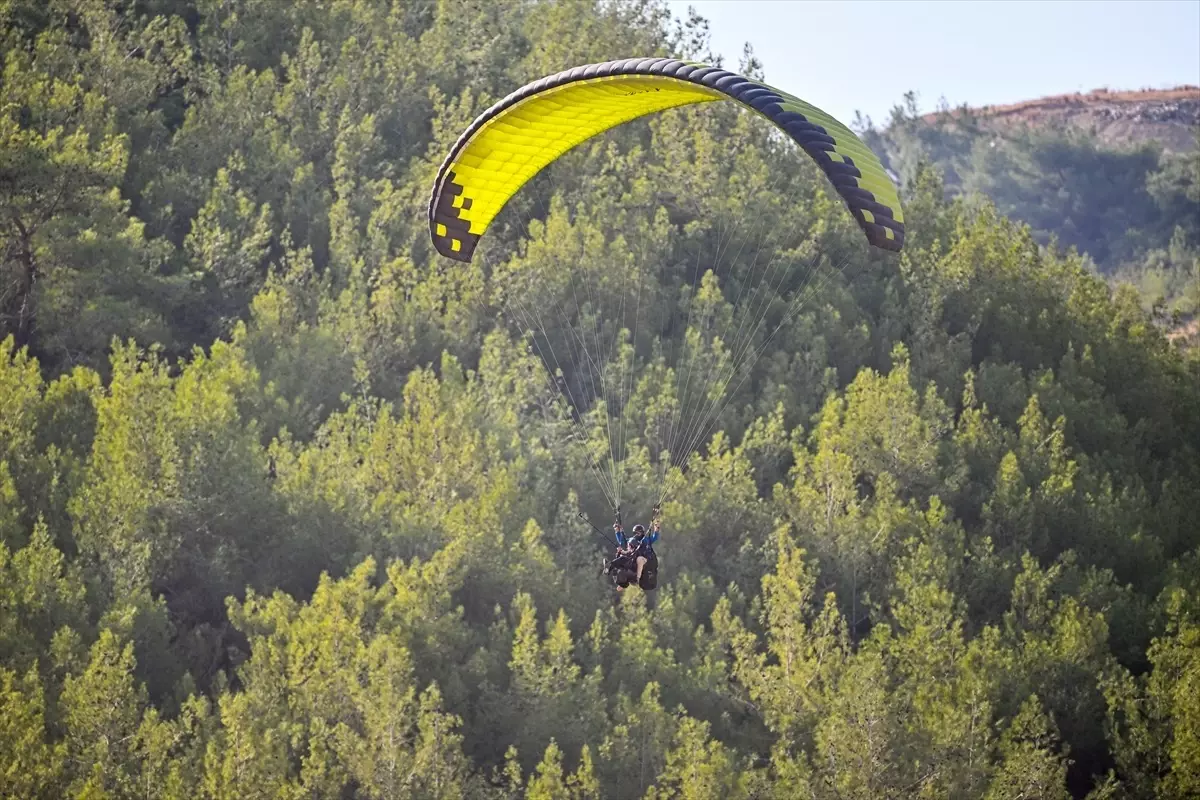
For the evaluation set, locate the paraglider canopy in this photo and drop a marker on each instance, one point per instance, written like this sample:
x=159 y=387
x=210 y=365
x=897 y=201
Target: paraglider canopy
x=516 y=138
x=582 y=312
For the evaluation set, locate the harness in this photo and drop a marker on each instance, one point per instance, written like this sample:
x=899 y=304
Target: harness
x=640 y=547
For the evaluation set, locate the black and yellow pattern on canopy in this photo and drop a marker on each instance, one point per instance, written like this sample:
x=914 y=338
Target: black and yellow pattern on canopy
x=517 y=137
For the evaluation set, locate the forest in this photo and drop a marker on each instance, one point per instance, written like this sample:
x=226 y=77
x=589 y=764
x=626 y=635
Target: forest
x=293 y=507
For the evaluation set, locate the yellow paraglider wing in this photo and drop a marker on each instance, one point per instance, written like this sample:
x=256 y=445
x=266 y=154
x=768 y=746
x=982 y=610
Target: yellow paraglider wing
x=517 y=137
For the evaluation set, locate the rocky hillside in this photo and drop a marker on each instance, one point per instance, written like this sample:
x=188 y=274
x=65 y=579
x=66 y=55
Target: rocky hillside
x=1113 y=174
x=1168 y=116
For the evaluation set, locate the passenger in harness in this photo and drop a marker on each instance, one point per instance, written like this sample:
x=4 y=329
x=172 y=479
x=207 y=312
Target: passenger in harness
x=635 y=560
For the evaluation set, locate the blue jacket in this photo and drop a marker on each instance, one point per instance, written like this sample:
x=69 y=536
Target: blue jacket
x=647 y=541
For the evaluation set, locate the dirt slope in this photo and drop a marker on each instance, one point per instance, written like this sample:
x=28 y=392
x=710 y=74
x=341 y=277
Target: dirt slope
x=1171 y=116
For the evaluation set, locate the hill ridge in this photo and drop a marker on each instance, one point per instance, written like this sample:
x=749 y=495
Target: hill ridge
x=1170 y=116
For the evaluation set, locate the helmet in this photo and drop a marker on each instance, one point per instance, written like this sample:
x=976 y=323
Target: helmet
x=639 y=530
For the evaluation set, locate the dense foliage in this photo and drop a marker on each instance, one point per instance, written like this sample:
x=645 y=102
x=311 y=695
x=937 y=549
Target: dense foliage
x=287 y=510
x=1133 y=208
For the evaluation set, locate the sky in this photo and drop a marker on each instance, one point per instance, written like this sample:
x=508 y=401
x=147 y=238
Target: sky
x=848 y=55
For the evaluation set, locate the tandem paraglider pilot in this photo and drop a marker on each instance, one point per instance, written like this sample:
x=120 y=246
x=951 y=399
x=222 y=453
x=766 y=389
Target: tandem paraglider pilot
x=635 y=560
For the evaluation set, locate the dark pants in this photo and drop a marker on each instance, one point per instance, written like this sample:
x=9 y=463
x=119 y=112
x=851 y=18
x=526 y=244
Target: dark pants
x=641 y=569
